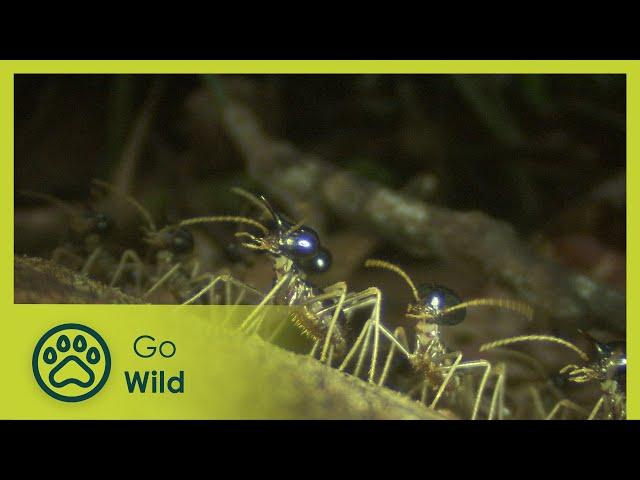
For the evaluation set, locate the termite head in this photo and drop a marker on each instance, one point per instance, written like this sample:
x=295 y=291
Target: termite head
x=282 y=237
x=89 y=223
x=319 y=263
x=434 y=305
x=616 y=361
x=442 y=306
x=608 y=363
x=172 y=239
x=277 y=237
x=83 y=222
x=295 y=241
x=176 y=239
x=610 y=360
x=100 y=223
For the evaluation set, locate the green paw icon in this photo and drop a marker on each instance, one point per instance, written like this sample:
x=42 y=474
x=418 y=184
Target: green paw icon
x=71 y=362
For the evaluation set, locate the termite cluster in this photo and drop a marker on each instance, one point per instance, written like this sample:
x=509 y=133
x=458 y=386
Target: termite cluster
x=440 y=377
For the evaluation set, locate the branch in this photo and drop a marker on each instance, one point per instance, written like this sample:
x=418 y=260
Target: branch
x=570 y=300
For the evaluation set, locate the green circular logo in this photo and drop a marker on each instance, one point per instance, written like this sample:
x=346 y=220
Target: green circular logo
x=71 y=362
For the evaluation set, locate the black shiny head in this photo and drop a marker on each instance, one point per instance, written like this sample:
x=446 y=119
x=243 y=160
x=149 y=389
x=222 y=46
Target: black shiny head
x=177 y=240
x=278 y=220
x=302 y=242
x=283 y=238
x=435 y=298
x=103 y=223
x=610 y=361
x=319 y=263
x=614 y=356
x=181 y=241
x=619 y=368
x=235 y=253
x=298 y=242
x=98 y=223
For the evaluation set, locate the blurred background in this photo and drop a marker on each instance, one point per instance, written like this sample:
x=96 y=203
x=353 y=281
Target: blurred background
x=544 y=153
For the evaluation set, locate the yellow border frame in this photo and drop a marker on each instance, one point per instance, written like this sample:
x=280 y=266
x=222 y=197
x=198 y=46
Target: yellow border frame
x=630 y=68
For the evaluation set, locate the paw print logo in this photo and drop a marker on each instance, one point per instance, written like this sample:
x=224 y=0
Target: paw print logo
x=71 y=362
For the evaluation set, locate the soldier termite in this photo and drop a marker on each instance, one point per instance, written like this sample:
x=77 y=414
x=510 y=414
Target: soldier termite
x=321 y=313
x=534 y=394
x=608 y=367
x=438 y=366
x=90 y=229
x=172 y=257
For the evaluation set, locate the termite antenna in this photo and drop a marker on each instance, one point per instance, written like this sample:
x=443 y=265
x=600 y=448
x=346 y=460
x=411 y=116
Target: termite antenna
x=252 y=198
x=137 y=205
x=228 y=219
x=534 y=338
x=600 y=347
x=297 y=226
x=375 y=263
x=272 y=211
x=530 y=360
x=514 y=305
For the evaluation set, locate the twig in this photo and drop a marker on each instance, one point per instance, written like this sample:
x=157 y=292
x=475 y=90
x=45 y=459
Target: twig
x=568 y=299
x=124 y=175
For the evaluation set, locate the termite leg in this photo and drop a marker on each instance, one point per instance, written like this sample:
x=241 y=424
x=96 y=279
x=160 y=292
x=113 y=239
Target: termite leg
x=314 y=349
x=363 y=350
x=277 y=332
x=596 y=408
x=482 y=364
x=128 y=255
x=567 y=404
x=253 y=318
x=537 y=402
x=231 y=311
x=162 y=280
x=355 y=347
x=423 y=391
x=62 y=252
x=446 y=380
x=227 y=293
x=363 y=299
x=399 y=338
x=497 y=398
x=214 y=280
x=330 y=356
x=337 y=290
x=195 y=269
x=90 y=261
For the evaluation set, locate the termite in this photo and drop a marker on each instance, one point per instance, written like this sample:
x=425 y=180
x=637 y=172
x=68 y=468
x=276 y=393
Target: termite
x=608 y=367
x=90 y=231
x=436 y=365
x=320 y=313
